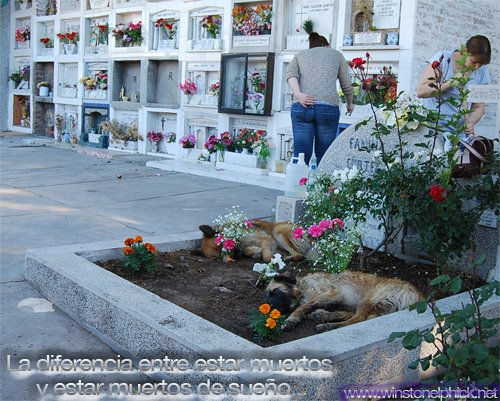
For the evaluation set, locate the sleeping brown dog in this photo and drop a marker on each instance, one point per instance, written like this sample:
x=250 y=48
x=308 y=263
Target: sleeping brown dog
x=360 y=296
x=263 y=242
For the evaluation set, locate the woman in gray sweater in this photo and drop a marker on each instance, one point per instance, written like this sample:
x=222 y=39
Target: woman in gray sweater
x=312 y=75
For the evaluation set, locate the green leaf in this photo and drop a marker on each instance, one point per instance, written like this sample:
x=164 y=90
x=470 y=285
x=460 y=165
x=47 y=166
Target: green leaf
x=429 y=337
x=394 y=335
x=455 y=285
x=414 y=364
x=443 y=278
x=421 y=306
x=412 y=340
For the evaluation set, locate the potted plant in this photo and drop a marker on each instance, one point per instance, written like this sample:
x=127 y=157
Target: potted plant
x=70 y=41
x=212 y=26
x=128 y=35
x=123 y=136
x=169 y=29
x=187 y=143
x=155 y=138
x=23 y=35
x=43 y=88
x=47 y=43
x=16 y=78
x=170 y=143
x=189 y=88
x=261 y=148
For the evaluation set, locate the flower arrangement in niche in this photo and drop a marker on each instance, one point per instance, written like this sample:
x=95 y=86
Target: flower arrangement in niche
x=23 y=34
x=232 y=227
x=228 y=141
x=47 y=42
x=169 y=27
x=261 y=146
x=188 y=87
x=211 y=144
x=69 y=37
x=170 y=137
x=188 y=141
x=139 y=257
x=245 y=139
x=97 y=81
x=154 y=136
x=268 y=270
x=128 y=34
x=212 y=24
x=214 y=89
x=248 y=21
x=122 y=132
x=43 y=84
x=267 y=322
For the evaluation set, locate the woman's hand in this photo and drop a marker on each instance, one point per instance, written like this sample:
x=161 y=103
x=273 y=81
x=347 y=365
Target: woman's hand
x=305 y=100
x=350 y=108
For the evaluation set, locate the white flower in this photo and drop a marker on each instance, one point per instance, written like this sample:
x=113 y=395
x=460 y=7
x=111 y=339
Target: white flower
x=336 y=191
x=259 y=267
x=277 y=260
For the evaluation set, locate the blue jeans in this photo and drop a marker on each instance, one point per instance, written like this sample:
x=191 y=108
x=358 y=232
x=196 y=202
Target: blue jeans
x=316 y=124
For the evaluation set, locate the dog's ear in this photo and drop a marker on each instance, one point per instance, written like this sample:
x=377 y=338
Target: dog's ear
x=208 y=232
x=286 y=277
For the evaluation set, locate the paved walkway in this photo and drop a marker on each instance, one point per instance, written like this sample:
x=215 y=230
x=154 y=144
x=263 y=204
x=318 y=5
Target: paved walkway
x=50 y=194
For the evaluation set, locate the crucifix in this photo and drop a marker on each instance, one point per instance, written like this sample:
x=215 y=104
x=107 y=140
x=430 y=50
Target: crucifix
x=162 y=123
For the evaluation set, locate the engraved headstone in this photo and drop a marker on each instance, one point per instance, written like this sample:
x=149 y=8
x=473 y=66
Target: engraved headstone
x=386 y=14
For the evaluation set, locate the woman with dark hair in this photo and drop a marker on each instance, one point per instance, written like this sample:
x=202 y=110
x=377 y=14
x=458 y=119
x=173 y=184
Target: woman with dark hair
x=312 y=75
x=479 y=49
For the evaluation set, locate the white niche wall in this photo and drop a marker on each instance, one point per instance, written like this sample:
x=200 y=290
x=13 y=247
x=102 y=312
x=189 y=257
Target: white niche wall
x=203 y=75
x=67 y=80
x=23 y=23
x=69 y=6
x=166 y=123
x=96 y=39
x=70 y=25
x=201 y=127
x=45 y=30
x=159 y=40
x=262 y=39
x=322 y=13
x=97 y=69
x=199 y=39
x=132 y=15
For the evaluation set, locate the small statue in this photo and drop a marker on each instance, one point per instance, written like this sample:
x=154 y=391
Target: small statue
x=135 y=97
x=122 y=93
x=51 y=8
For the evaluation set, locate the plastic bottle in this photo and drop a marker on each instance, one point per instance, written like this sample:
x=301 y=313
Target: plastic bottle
x=313 y=166
x=296 y=169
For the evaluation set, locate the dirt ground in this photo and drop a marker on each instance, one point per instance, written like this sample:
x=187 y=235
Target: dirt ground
x=225 y=294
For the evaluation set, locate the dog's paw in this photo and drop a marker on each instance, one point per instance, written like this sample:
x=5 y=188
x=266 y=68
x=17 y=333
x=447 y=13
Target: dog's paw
x=289 y=324
x=319 y=316
x=321 y=328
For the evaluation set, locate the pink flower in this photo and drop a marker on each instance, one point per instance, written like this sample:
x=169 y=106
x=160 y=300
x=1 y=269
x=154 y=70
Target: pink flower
x=228 y=244
x=298 y=232
x=248 y=223
x=315 y=231
x=219 y=239
x=303 y=181
x=324 y=224
x=337 y=223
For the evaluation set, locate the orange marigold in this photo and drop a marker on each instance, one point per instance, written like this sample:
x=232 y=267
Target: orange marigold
x=129 y=241
x=265 y=309
x=271 y=323
x=138 y=238
x=128 y=251
x=275 y=314
x=150 y=247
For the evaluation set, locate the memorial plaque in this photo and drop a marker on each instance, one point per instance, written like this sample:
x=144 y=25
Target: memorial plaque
x=488 y=219
x=386 y=14
x=251 y=41
x=368 y=38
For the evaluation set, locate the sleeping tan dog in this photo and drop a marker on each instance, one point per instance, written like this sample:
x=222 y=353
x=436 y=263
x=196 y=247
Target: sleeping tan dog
x=362 y=296
x=266 y=239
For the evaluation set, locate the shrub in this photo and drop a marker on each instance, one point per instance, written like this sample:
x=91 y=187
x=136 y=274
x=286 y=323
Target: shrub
x=139 y=257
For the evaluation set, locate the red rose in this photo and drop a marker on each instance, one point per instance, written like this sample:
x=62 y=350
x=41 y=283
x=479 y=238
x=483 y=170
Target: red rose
x=367 y=83
x=435 y=64
x=438 y=193
x=357 y=62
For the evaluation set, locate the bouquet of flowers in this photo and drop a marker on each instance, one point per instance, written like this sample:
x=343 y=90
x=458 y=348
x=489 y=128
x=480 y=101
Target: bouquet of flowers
x=88 y=82
x=257 y=82
x=169 y=27
x=188 y=87
x=214 y=89
x=211 y=144
x=403 y=113
x=268 y=270
x=47 y=43
x=170 y=137
x=232 y=227
x=261 y=146
x=22 y=34
x=267 y=322
x=154 y=136
x=252 y=21
x=102 y=79
x=188 y=141
x=212 y=24
x=227 y=140
x=69 y=37
x=245 y=140
x=128 y=34
x=139 y=257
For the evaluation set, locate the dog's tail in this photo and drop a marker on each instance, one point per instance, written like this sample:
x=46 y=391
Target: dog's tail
x=208 y=232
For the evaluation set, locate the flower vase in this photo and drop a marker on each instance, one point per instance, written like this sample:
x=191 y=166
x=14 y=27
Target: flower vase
x=261 y=163
x=70 y=48
x=155 y=147
x=44 y=91
x=188 y=98
x=220 y=155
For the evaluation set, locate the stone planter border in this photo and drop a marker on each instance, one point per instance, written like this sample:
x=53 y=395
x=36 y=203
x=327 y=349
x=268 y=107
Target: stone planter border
x=140 y=324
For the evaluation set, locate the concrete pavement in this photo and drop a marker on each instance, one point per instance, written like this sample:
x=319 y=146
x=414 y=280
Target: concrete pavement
x=50 y=194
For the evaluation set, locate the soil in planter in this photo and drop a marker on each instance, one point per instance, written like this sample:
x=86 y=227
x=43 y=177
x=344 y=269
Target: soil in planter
x=225 y=294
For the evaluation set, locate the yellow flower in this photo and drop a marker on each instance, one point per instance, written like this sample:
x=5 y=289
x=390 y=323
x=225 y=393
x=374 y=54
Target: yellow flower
x=265 y=309
x=275 y=314
x=138 y=238
x=271 y=323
